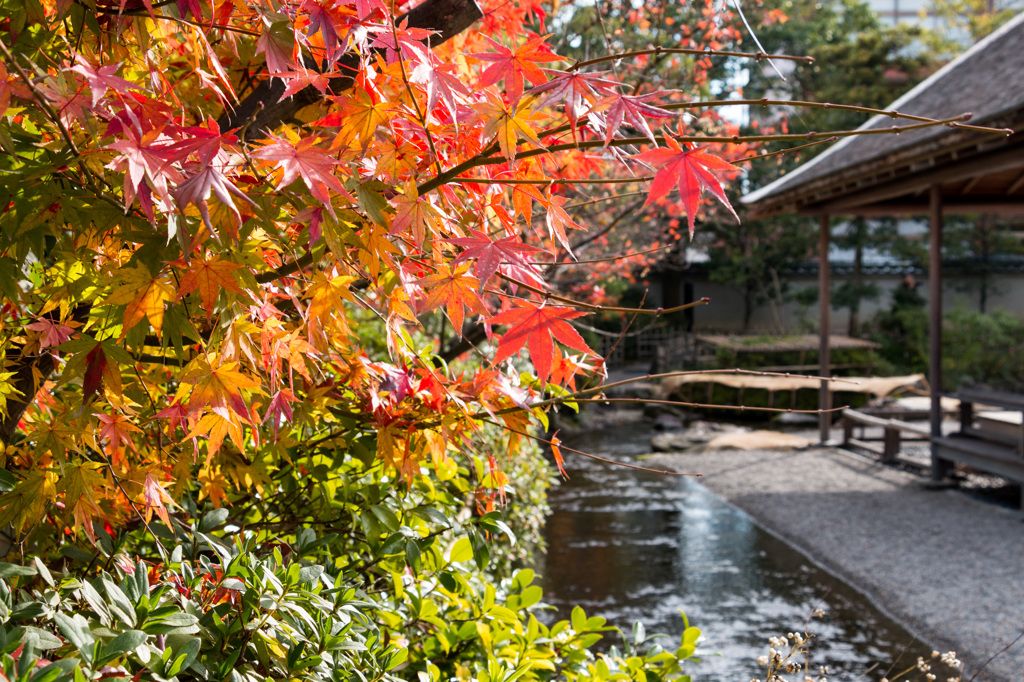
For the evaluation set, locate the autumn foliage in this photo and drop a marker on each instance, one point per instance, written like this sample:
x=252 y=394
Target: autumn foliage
x=193 y=303
x=185 y=302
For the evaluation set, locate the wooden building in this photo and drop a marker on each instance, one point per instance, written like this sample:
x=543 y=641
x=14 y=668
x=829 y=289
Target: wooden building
x=924 y=172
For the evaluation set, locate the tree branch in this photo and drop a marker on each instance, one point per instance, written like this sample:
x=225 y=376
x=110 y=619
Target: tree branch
x=265 y=108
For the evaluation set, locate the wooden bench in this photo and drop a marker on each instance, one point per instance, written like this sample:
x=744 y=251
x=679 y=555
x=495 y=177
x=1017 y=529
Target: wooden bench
x=892 y=430
x=989 y=442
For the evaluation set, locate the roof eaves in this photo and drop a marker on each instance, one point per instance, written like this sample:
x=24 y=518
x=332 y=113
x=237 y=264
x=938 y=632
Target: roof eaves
x=778 y=185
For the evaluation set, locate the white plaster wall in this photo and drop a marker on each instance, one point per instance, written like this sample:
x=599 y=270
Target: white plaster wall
x=725 y=313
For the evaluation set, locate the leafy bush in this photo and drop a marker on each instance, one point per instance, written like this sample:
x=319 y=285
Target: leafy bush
x=250 y=611
x=977 y=349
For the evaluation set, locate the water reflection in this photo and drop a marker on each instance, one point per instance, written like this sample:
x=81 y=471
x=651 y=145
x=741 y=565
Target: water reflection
x=629 y=545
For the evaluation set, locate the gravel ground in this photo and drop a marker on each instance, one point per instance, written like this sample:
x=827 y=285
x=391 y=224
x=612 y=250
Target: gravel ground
x=949 y=567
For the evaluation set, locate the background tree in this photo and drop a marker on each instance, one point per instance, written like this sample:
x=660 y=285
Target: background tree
x=230 y=233
x=981 y=245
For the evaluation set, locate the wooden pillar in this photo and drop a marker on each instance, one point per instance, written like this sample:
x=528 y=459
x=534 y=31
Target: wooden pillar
x=939 y=466
x=825 y=316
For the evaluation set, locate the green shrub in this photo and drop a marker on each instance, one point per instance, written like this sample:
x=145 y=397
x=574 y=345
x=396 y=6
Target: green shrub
x=249 y=612
x=977 y=349
x=413 y=579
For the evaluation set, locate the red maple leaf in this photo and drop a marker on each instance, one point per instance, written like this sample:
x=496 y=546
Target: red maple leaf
x=490 y=255
x=691 y=170
x=327 y=19
x=102 y=78
x=536 y=327
x=633 y=110
x=303 y=159
x=300 y=78
x=440 y=84
x=558 y=219
x=577 y=89
x=198 y=188
x=513 y=65
x=280 y=407
x=95 y=365
x=205 y=142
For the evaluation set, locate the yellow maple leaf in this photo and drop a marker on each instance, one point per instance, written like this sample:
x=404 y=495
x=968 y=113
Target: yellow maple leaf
x=326 y=296
x=79 y=484
x=375 y=247
x=145 y=296
x=360 y=115
x=217 y=387
x=507 y=124
x=26 y=503
x=212 y=485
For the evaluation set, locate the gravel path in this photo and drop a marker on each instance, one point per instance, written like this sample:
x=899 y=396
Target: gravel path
x=949 y=567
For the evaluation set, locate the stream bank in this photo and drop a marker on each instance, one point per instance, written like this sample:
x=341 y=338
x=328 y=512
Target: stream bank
x=632 y=545
x=943 y=563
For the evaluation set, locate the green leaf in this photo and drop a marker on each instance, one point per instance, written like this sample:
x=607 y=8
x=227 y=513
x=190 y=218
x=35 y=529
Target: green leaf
x=432 y=514
x=122 y=644
x=397 y=658
x=40 y=639
x=373 y=203
x=55 y=670
x=11 y=570
x=185 y=656
x=639 y=633
x=386 y=517
x=462 y=550
x=76 y=630
x=44 y=572
x=7 y=481
x=579 y=620
x=119 y=603
x=308 y=574
x=213 y=519
x=175 y=624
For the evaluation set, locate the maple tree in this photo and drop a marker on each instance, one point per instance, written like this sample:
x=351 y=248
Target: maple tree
x=229 y=231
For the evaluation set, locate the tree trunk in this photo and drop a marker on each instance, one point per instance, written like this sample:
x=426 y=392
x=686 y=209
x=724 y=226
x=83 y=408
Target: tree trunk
x=263 y=110
x=853 y=328
x=748 y=306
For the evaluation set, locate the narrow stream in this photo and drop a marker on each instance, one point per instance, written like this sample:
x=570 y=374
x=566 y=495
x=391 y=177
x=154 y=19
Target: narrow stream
x=630 y=545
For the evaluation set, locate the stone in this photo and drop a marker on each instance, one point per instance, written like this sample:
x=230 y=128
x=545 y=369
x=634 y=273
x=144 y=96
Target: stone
x=671 y=442
x=667 y=422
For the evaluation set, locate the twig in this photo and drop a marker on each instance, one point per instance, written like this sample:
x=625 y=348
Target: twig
x=679 y=403
x=590 y=456
x=996 y=655
x=758 y=56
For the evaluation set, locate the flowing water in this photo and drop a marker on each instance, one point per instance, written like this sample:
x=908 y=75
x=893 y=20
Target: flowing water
x=630 y=545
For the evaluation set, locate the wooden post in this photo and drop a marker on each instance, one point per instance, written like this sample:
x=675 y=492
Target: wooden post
x=939 y=466
x=825 y=316
x=891 y=445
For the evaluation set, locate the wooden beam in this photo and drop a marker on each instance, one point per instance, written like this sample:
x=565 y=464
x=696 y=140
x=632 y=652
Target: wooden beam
x=825 y=316
x=993 y=204
x=939 y=466
x=1017 y=184
x=986 y=164
x=971 y=184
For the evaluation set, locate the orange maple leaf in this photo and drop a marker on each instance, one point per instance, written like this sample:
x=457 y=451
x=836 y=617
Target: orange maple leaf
x=153 y=497
x=209 y=277
x=145 y=296
x=454 y=289
x=507 y=123
x=117 y=430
